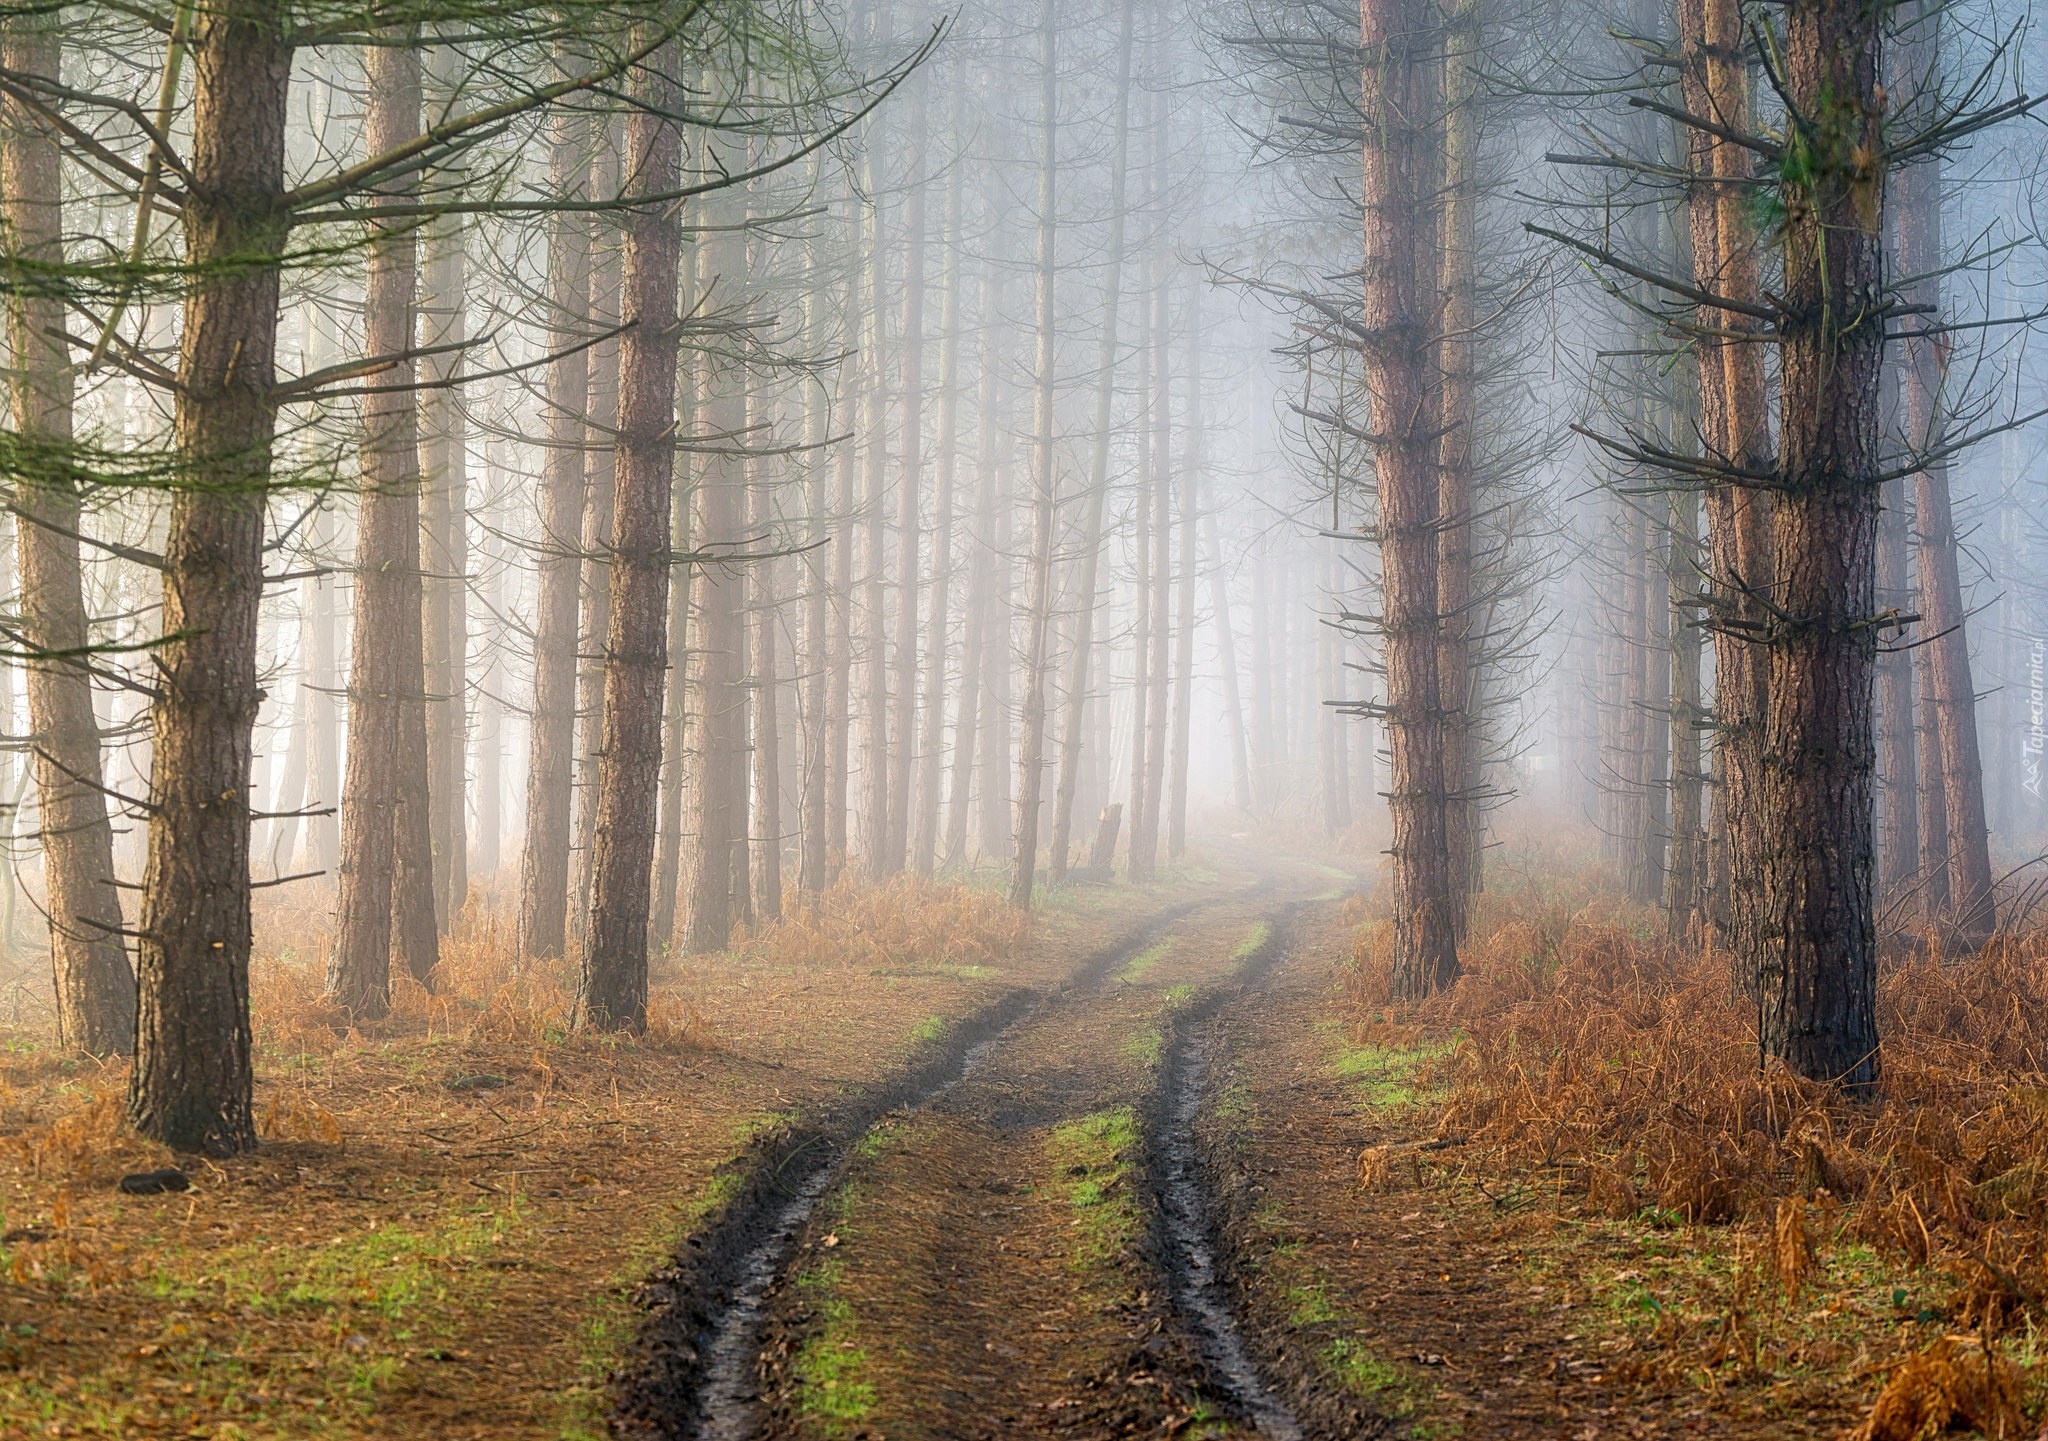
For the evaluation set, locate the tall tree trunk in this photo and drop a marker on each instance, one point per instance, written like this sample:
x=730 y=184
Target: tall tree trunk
x=1897 y=763
x=1819 y=974
x=1951 y=691
x=1643 y=860
x=1038 y=618
x=94 y=985
x=381 y=804
x=716 y=790
x=1736 y=430
x=600 y=478
x=1935 y=852
x=1184 y=623
x=1458 y=286
x=1136 y=865
x=909 y=491
x=839 y=738
x=932 y=720
x=191 y=1084
x=981 y=590
x=1226 y=663
x=1397 y=184
x=614 y=991
x=290 y=800
x=1262 y=682
x=445 y=543
x=999 y=659
x=319 y=613
x=1686 y=875
x=544 y=863
x=765 y=616
x=819 y=721
x=1081 y=657
x=673 y=844
x=874 y=411
x=1145 y=825
x=490 y=718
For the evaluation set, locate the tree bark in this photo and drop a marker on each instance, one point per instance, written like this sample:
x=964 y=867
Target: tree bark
x=445 y=542
x=874 y=411
x=716 y=790
x=839 y=736
x=386 y=780
x=1098 y=465
x=1951 y=692
x=1226 y=664
x=600 y=479
x=909 y=492
x=1397 y=183
x=981 y=595
x=672 y=845
x=1898 y=771
x=614 y=989
x=1685 y=877
x=1184 y=625
x=1145 y=825
x=1819 y=974
x=1458 y=297
x=932 y=720
x=767 y=748
x=1038 y=620
x=819 y=721
x=191 y=1083
x=94 y=985
x=1736 y=431
x=1136 y=866
x=544 y=863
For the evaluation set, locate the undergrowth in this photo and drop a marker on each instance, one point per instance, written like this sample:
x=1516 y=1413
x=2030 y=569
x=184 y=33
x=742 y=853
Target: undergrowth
x=1583 y=1054
x=906 y=924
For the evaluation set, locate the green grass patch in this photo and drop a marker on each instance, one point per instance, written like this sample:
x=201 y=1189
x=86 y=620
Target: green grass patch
x=1091 y=1160
x=879 y=1138
x=1136 y=968
x=1386 y=1077
x=387 y=1271
x=1392 y=1387
x=1255 y=941
x=929 y=1029
x=831 y=1389
x=1145 y=1047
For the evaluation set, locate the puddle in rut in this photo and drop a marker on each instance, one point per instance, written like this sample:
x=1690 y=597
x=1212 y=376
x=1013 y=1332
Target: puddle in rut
x=727 y=1407
x=1197 y=1290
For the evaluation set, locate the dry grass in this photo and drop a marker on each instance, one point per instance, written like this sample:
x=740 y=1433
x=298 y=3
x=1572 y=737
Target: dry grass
x=1601 y=1060
x=905 y=924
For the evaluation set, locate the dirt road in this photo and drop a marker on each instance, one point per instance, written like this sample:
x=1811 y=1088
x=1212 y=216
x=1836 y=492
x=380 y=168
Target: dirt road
x=1132 y=1207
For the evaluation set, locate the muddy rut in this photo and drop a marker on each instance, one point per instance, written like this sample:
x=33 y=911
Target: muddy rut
x=1014 y=1238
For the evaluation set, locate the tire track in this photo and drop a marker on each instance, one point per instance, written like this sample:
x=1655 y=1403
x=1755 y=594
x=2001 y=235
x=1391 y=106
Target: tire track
x=1186 y=1233
x=693 y=1373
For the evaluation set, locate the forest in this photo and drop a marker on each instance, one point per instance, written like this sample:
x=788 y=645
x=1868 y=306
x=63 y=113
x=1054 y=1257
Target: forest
x=846 y=720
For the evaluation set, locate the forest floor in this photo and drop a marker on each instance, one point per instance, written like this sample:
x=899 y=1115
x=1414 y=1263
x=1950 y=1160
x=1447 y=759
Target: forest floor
x=446 y=1227
x=1148 y=1170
